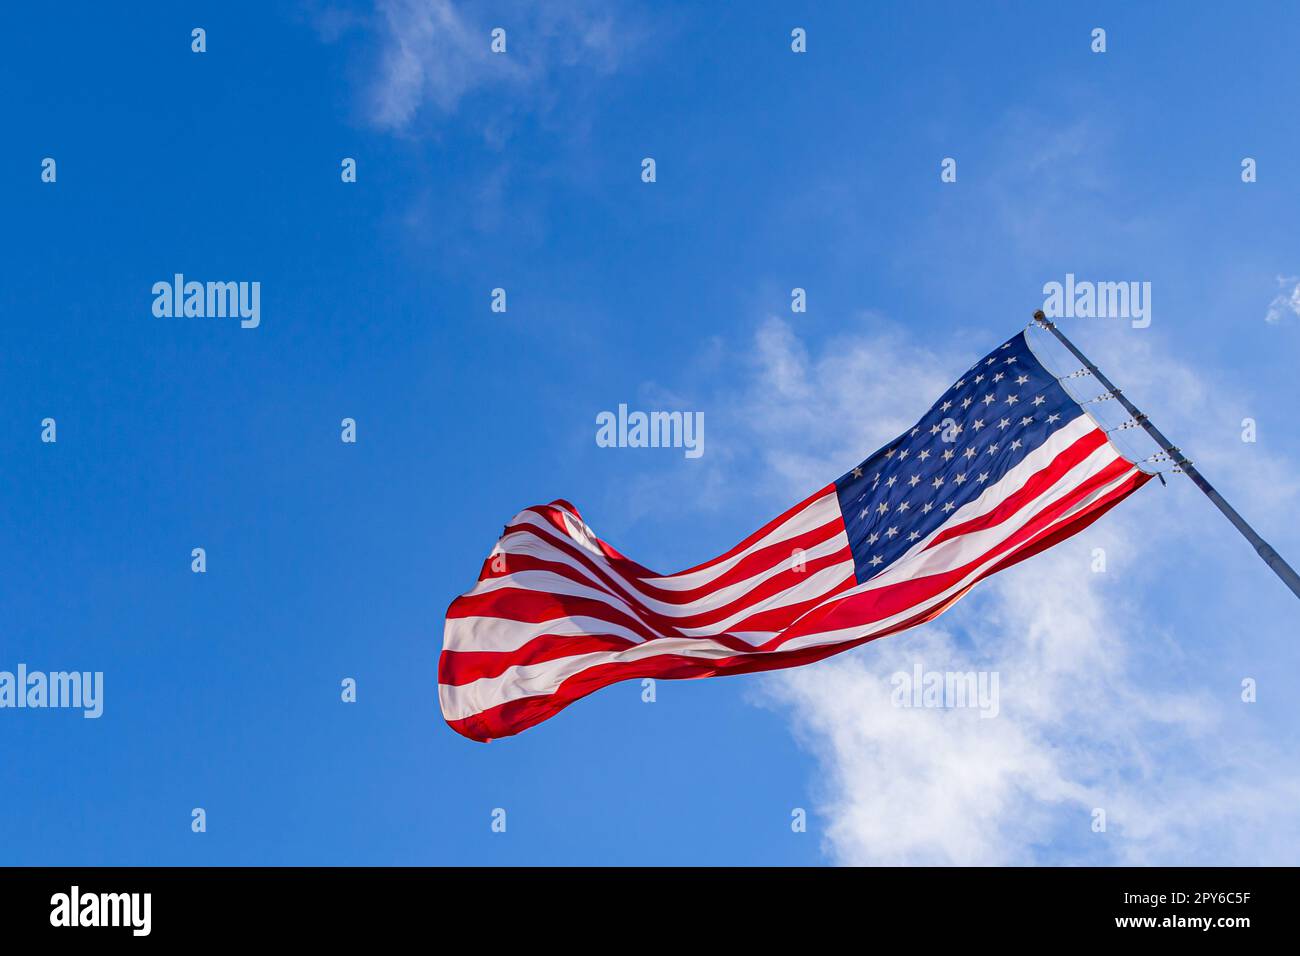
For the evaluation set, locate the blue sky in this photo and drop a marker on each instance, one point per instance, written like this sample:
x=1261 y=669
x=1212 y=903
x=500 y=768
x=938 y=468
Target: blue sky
x=774 y=170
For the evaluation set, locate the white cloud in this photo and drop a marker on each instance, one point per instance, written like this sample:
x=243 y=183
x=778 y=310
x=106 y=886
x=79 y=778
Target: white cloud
x=1287 y=300
x=1082 y=725
x=810 y=417
x=433 y=53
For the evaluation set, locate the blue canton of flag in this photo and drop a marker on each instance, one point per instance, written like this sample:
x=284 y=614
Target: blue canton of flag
x=1004 y=407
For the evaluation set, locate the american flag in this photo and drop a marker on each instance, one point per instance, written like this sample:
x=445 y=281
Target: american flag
x=1005 y=465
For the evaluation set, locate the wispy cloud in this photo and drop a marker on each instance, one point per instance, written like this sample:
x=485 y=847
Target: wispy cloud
x=1287 y=301
x=1080 y=727
x=426 y=70
x=434 y=53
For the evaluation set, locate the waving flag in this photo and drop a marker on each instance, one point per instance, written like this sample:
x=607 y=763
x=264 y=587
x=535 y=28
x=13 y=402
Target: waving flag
x=1005 y=465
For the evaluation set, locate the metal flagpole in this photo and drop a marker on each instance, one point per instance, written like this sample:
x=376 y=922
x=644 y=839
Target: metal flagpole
x=1271 y=557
